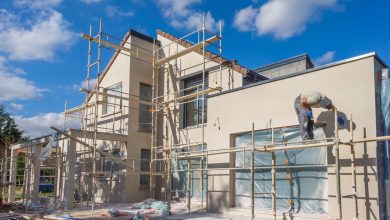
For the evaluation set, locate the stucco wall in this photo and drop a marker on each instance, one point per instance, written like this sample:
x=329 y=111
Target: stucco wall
x=130 y=72
x=350 y=86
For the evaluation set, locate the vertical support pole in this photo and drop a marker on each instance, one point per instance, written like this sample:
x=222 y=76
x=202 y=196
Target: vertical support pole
x=95 y=121
x=36 y=175
x=12 y=176
x=353 y=172
x=220 y=52
x=337 y=167
x=188 y=180
x=203 y=105
x=61 y=171
x=253 y=173
x=28 y=172
x=5 y=170
x=55 y=193
x=84 y=127
x=24 y=186
x=273 y=173
x=169 y=173
x=70 y=172
x=154 y=109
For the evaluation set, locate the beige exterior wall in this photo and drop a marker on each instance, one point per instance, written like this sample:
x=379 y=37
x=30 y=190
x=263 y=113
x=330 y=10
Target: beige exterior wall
x=351 y=86
x=170 y=78
x=352 y=89
x=130 y=72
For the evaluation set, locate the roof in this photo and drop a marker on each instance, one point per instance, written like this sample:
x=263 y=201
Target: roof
x=304 y=56
x=144 y=37
x=131 y=32
x=34 y=141
x=212 y=56
x=372 y=54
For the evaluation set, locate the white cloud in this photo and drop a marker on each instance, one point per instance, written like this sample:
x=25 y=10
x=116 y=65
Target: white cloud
x=113 y=11
x=92 y=83
x=40 y=124
x=16 y=106
x=16 y=87
x=243 y=19
x=325 y=58
x=282 y=18
x=40 y=39
x=91 y=1
x=181 y=15
x=37 y=4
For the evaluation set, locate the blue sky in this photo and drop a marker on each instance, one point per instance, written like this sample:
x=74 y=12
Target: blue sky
x=43 y=59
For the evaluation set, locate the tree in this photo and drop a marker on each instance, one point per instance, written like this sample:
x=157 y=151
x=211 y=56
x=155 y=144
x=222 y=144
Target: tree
x=9 y=134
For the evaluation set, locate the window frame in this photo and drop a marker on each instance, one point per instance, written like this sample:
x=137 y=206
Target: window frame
x=142 y=107
x=194 y=82
x=105 y=106
x=144 y=162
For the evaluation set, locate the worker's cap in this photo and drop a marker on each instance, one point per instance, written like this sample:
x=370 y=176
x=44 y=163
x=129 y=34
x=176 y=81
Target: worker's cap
x=326 y=103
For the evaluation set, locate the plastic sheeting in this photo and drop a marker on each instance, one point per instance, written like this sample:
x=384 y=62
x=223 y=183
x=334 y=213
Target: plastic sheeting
x=303 y=189
x=179 y=180
x=385 y=114
x=53 y=143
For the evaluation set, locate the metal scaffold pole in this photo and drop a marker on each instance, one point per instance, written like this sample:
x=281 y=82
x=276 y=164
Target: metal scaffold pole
x=203 y=104
x=353 y=173
x=253 y=173
x=273 y=173
x=337 y=164
x=153 y=111
x=96 y=115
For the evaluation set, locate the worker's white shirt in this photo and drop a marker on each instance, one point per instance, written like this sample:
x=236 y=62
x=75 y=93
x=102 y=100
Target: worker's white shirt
x=313 y=98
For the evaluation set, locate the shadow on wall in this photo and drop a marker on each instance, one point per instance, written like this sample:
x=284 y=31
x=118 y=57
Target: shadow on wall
x=218 y=199
x=328 y=117
x=368 y=164
x=329 y=129
x=110 y=188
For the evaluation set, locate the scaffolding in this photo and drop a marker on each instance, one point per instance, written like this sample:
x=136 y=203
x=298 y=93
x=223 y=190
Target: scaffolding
x=167 y=104
x=114 y=105
x=165 y=158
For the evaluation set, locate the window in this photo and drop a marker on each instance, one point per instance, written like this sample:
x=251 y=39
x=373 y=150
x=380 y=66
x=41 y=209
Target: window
x=145 y=113
x=192 y=112
x=145 y=166
x=112 y=104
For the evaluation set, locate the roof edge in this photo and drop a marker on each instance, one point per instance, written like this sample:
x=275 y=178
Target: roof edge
x=210 y=55
x=352 y=59
x=283 y=62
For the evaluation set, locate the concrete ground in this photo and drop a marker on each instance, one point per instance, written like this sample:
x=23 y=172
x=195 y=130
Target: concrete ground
x=178 y=212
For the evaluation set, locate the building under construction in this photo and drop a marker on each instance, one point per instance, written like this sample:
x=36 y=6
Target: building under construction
x=171 y=118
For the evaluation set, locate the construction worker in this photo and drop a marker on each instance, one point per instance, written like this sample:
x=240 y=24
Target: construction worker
x=303 y=107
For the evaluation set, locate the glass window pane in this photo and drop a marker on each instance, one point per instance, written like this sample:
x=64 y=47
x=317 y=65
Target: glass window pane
x=145 y=159
x=145 y=110
x=192 y=114
x=112 y=103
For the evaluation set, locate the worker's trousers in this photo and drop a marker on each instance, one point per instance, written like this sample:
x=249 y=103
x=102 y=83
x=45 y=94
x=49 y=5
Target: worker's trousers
x=306 y=124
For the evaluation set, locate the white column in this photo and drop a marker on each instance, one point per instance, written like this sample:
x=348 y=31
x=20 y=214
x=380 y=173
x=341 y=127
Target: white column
x=12 y=176
x=69 y=175
x=36 y=173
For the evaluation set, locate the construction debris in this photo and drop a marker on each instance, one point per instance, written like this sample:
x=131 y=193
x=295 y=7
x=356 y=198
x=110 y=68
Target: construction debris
x=149 y=208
